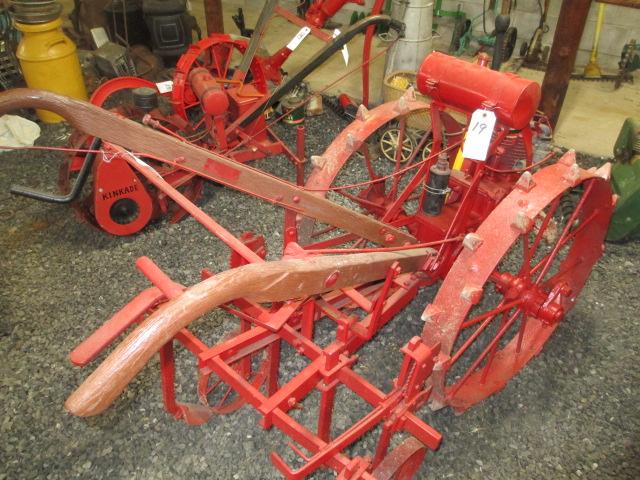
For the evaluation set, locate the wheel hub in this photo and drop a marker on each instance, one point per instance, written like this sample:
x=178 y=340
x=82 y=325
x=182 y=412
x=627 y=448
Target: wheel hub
x=536 y=301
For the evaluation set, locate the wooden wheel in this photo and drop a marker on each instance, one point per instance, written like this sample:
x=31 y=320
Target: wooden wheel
x=517 y=278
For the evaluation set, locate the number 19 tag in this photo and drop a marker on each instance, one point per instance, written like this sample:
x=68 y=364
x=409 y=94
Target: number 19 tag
x=478 y=138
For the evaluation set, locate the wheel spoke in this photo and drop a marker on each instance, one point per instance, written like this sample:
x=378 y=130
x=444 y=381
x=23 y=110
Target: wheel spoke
x=563 y=237
x=486 y=351
x=224 y=397
x=545 y=222
x=523 y=326
x=227 y=62
x=492 y=313
x=364 y=150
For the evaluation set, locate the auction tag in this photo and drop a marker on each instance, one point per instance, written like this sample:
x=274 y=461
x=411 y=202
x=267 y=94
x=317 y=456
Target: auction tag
x=478 y=138
x=297 y=40
x=345 y=51
x=165 y=87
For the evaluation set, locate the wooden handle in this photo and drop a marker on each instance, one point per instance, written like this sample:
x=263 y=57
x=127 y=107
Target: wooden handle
x=263 y=282
x=112 y=128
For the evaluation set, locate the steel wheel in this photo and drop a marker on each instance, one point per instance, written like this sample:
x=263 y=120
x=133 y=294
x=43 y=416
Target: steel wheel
x=218 y=53
x=517 y=278
x=403 y=462
x=356 y=162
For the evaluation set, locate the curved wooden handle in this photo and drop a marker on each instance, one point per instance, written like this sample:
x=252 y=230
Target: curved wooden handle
x=270 y=281
x=134 y=136
x=73 y=110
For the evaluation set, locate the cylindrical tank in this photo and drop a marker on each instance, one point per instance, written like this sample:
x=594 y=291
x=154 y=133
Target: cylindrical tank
x=49 y=62
x=408 y=52
x=467 y=86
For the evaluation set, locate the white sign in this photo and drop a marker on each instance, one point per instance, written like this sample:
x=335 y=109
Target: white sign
x=165 y=87
x=297 y=40
x=478 y=138
x=345 y=51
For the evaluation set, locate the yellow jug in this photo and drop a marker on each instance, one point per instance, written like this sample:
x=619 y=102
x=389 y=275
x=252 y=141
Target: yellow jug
x=49 y=62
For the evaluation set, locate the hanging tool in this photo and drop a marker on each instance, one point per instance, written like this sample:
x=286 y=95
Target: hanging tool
x=592 y=69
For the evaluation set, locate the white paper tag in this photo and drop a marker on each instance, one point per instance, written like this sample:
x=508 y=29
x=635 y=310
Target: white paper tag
x=297 y=40
x=345 y=51
x=165 y=87
x=478 y=138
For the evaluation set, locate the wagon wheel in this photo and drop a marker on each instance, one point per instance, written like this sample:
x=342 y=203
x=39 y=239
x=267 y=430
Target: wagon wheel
x=355 y=160
x=388 y=144
x=519 y=276
x=509 y=43
x=219 y=54
x=403 y=462
x=219 y=396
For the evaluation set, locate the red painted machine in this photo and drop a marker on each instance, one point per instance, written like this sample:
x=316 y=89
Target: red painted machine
x=217 y=100
x=361 y=239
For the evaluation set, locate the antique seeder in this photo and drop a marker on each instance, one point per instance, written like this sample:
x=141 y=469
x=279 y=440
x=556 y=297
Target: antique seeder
x=361 y=238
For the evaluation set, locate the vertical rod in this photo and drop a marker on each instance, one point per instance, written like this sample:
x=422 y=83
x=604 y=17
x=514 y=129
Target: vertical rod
x=325 y=414
x=308 y=319
x=168 y=371
x=213 y=16
x=300 y=153
x=571 y=22
x=274 y=366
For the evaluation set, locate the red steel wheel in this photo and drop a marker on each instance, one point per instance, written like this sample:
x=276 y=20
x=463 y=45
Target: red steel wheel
x=518 y=276
x=354 y=159
x=403 y=462
x=218 y=54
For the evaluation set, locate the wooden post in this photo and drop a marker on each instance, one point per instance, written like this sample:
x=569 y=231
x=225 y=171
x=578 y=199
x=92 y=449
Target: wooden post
x=571 y=22
x=213 y=16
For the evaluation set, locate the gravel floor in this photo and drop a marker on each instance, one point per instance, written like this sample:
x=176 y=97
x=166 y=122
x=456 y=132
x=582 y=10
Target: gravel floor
x=573 y=412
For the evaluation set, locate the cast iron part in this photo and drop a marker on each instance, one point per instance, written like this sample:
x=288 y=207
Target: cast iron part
x=145 y=98
x=238 y=19
x=34 y=12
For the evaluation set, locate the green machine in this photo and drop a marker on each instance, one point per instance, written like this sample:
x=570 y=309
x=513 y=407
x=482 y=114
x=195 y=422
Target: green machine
x=625 y=178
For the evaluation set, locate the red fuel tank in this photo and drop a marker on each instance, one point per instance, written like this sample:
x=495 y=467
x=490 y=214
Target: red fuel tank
x=213 y=98
x=467 y=86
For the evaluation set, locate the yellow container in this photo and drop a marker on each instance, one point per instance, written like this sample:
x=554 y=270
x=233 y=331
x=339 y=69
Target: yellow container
x=49 y=62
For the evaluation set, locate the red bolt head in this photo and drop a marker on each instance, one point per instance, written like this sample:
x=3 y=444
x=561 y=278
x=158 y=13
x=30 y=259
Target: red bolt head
x=296 y=199
x=389 y=238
